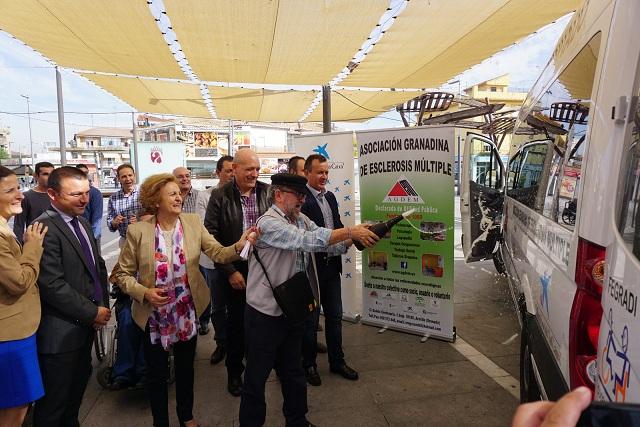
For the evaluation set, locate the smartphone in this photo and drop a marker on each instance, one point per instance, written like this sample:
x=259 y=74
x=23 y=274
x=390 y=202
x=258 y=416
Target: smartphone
x=609 y=414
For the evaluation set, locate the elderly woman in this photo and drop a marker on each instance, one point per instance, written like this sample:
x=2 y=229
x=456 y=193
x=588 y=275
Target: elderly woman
x=20 y=381
x=159 y=270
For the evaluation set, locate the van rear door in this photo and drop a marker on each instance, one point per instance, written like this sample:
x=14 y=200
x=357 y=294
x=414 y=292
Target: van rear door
x=618 y=365
x=481 y=198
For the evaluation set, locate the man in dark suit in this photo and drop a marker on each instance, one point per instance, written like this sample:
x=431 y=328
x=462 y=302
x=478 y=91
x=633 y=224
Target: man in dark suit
x=322 y=208
x=232 y=209
x=74 y=298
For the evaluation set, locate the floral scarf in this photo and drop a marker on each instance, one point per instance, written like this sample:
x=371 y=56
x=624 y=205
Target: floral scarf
x=176 y=320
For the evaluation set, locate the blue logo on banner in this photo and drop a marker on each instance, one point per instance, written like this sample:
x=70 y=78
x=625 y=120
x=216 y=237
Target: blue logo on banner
x=322 y=150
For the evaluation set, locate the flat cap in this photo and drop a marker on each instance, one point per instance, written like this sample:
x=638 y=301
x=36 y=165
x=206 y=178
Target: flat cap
x=289 y=180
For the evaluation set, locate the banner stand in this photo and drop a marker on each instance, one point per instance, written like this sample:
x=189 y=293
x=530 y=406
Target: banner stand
x=408 y=276
x=424 y=336
x=337 y=147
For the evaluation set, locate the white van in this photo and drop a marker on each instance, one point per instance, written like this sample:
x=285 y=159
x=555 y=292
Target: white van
x=560 y=218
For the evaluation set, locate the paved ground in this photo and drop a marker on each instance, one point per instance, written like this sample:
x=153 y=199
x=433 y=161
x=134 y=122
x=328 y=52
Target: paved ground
x=402 y=381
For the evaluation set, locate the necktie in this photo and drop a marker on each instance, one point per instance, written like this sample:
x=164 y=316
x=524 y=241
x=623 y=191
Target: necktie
x=326 y=211
x=89 y=258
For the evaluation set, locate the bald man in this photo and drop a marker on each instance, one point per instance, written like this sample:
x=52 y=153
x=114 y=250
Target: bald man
x=232 y=209
x=187 y=192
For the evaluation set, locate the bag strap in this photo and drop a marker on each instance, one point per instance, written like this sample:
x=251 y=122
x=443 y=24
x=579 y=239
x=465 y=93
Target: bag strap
x=255 y=253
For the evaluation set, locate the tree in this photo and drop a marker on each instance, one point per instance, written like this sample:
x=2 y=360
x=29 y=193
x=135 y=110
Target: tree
x=3 y=153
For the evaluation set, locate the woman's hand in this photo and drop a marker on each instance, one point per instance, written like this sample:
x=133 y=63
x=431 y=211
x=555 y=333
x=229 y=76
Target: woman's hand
x=35 y=233
x=250 y=235
x=157 y=297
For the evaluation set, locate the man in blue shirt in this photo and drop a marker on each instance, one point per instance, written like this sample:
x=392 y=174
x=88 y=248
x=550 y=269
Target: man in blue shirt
x=93 y=210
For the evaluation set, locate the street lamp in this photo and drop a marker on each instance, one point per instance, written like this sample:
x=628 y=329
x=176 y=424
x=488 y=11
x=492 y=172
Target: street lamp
x=29 y=117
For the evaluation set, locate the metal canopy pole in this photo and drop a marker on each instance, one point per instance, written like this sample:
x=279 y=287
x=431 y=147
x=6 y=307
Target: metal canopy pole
x=326 y=109
x=135 y=142
x=61 y=136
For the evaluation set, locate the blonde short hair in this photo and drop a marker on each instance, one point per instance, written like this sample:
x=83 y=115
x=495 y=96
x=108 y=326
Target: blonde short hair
x=150 y=191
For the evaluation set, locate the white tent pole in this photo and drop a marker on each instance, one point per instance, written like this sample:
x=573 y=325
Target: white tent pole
x=61 y=136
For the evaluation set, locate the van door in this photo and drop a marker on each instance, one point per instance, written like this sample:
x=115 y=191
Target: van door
x=618 y=378
x=481 y=198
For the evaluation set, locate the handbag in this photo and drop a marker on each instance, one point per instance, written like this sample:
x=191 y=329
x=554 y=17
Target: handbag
x=294 y=295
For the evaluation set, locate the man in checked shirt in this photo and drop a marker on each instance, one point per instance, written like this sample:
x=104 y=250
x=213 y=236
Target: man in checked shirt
x=124 y=207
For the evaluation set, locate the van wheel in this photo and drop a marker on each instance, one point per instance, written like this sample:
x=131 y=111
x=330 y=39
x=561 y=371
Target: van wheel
x=498 y=263
x=529 y=390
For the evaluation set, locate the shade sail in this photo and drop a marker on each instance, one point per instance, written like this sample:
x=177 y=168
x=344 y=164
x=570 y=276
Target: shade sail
x=286 y=41
x=272 y=42
x=435 y=40
x=154 y=96
x=116 y=36
x=260 y=105
x=347 y=105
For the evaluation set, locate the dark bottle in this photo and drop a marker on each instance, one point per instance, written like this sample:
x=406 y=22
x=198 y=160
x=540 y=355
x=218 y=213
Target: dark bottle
x=383 y=228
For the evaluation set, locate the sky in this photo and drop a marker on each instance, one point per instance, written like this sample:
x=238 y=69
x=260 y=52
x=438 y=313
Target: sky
x=23 y=71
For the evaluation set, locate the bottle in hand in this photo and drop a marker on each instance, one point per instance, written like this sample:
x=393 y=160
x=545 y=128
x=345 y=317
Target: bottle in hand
x=382 y=228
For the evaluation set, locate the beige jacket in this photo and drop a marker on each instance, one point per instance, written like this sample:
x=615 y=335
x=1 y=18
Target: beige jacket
x=137 y=260
x=19 y=296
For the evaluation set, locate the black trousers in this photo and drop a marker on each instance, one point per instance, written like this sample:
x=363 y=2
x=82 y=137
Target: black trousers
x=236 y=302
x=273 y=342
x=158 y=373
x=65 y=377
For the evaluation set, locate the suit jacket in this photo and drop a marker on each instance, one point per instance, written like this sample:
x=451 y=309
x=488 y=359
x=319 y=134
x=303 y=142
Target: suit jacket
x=19 y=296
x=136 y=271
x=66 y=287
x=223 y=218
x=311 y=208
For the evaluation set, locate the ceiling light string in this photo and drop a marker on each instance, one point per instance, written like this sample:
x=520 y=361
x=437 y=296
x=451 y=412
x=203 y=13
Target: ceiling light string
x=159 y=13
x=385 y=22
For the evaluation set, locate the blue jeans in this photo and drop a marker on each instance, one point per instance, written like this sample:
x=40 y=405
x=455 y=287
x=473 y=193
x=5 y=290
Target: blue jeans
x=217 y=310
x=331 y=300
x=130 y=364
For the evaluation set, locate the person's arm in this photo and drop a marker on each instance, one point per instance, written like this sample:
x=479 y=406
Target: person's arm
x=54 y=288
x=19 y=221
x=96 y=213
x=214 y=250
x=126 y=275
x=18 y=275
x=111 y=214
x=212 y=224
x=202 y=202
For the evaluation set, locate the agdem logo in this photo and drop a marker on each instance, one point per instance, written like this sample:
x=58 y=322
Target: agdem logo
x=403 y=192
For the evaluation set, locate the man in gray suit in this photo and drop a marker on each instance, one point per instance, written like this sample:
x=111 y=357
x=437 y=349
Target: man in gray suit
x=74 y=298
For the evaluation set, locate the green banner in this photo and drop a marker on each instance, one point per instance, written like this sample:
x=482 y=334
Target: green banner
x=408 y=275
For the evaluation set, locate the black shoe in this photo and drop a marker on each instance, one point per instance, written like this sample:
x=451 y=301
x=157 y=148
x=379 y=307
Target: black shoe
x=345 y=371
x=120 y=383
x=321 y=348
x=313 y=377
x=203 y=329
x=234 y=385
x=218 y=355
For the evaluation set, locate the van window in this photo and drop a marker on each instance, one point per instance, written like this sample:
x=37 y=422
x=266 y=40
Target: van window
x=485 y=167
x=553 y=175
x=526 y=174
x=630 y=206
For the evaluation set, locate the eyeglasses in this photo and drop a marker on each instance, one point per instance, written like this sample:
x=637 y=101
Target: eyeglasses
x=76 y=195
x=299 y=196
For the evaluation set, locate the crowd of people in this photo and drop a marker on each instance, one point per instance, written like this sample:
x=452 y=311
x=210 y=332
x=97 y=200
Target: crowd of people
x=180 y=267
